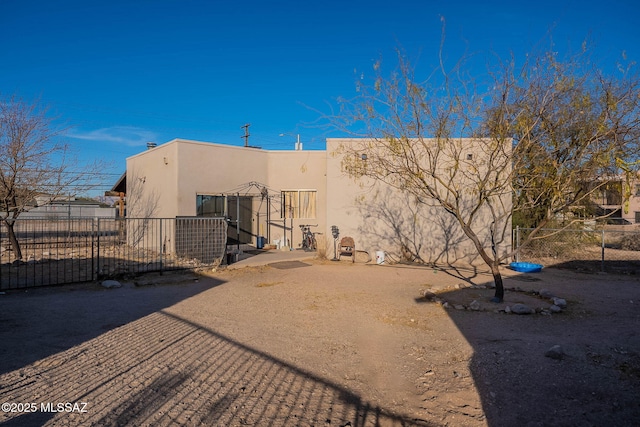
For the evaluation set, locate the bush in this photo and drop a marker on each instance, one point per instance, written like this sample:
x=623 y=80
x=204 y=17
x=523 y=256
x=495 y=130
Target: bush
x=630 y=242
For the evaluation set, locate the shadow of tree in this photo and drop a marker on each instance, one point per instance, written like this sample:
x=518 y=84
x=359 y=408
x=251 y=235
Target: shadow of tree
x=630 y=266
x=164 y=370
x=419 y=232
x=595 y=383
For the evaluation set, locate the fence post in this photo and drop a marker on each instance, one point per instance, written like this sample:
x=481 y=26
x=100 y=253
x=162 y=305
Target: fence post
x=161 y=261
x=93 y=243
x=97 y=273
x=602 y=266
x=517 y=243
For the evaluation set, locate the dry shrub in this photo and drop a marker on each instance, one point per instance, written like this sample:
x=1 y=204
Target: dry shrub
x=322 y=248
x=630 y=242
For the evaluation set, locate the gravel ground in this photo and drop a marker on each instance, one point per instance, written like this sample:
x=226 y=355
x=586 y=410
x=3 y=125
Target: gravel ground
x=320 y=343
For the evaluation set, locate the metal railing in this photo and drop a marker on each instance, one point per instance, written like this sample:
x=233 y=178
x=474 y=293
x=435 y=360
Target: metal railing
x=61 y=251
x=613 y=250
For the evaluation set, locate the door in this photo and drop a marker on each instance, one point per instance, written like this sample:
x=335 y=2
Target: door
x=239 y=205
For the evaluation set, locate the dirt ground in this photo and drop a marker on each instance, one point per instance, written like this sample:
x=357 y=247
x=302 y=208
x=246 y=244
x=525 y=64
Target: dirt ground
x=321 y=343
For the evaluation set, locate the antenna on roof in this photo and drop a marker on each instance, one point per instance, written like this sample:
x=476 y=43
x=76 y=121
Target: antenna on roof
x=246 y=134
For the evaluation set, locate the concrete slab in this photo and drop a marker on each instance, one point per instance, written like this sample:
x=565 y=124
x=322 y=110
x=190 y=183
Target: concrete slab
x=257 y=258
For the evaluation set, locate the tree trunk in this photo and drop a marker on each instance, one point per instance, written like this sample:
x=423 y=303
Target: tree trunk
x=492 y=262
x=15 y=245
x=497 y=278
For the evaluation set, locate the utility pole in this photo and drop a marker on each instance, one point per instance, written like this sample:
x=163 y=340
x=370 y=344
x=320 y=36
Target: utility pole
x=246 y=134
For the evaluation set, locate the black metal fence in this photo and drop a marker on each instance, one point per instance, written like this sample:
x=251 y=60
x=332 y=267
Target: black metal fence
x=61 y=251
x=613 y=250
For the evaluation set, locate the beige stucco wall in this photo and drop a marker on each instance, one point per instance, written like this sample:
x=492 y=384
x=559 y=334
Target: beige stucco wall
x=381 y=218
x=205 y=168
x=376 y=216
x=298 y=170
x=178 y=171
x=634 y=203
x=152 y=182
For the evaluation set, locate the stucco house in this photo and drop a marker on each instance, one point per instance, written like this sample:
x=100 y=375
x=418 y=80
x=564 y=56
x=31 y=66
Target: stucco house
x=47 y=206
x=270 y=193
x=619 y=199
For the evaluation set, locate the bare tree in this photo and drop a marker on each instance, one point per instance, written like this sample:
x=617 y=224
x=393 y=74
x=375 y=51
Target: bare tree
x=537 y=140
x=33 y=163
x=142 y=206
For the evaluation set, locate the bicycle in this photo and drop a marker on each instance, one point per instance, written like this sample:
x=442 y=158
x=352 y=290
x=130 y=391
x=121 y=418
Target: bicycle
x=309 y=242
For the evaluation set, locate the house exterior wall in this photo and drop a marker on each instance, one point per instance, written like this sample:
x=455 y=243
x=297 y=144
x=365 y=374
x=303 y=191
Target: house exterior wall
x=152 y=183
x=214 y=169
x=69 y=211
x=381 y=218
x=632 y=213
x=170 y=177
x=298 y=170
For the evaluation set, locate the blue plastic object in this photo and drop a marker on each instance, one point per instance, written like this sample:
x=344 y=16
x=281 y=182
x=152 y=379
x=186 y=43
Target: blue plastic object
x=526 y=267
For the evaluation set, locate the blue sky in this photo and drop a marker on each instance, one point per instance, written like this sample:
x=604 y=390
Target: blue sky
x=121 y=73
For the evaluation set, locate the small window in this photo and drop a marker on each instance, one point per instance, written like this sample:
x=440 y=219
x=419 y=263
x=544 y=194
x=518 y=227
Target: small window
x=210 y=205
x=637 y=217
x=469 y=156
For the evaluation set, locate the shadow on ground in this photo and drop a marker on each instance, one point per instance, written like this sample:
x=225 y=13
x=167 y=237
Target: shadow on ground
x=596 y=382
x=39 y=322
x=163 y=370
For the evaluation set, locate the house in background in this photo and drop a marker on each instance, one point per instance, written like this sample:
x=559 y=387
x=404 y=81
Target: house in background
x=620 y=200
x=270 y=194
x=67 y=207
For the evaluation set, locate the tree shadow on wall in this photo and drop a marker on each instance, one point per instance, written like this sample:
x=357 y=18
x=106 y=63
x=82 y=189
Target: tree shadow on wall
x=417 y=232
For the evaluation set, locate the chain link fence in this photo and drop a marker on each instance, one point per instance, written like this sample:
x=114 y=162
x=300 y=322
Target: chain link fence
x=62 y=251
x=611 y=250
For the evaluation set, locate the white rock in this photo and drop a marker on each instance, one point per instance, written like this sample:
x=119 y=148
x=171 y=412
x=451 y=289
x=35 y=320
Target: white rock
x=110 y=284
x=522 y=309
x=555 y=352
x=562 y=303
x=429 y=295
x=546 y=293
x=555 y=309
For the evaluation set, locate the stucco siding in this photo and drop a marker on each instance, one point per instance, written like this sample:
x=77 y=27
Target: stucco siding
x=214 y=169
x=152 y=182
x=298 y=170
x=382 y=218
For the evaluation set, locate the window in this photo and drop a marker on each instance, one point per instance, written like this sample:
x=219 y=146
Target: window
x=210 y=205
x=298 y=204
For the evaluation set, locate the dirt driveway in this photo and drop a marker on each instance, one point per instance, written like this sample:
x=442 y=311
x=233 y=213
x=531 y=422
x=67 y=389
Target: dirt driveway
x=318 y=343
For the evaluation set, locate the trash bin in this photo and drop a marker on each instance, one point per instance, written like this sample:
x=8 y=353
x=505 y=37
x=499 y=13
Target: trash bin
x=260 y=242
x=379 y=257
